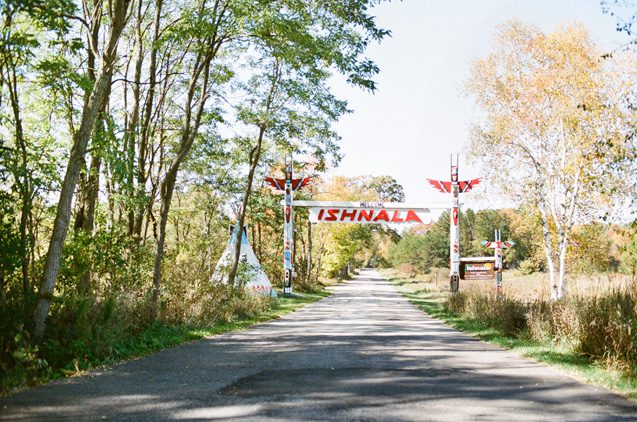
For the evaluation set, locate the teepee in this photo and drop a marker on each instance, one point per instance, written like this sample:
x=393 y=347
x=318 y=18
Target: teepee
x=258 y=281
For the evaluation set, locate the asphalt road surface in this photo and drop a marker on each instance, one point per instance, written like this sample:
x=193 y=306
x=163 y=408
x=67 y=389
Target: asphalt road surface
x=365 y=353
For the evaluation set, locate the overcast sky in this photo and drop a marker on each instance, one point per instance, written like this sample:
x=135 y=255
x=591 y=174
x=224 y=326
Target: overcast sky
x=418 y=116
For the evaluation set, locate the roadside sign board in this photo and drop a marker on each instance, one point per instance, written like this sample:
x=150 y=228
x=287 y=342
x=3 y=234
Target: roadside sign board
x=369 y=212
x=477 y=270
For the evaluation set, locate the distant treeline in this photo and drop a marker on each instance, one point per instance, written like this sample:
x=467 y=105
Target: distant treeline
x=594 y=247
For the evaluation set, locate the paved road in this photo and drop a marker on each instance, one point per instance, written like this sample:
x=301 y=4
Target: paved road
x=364 y=353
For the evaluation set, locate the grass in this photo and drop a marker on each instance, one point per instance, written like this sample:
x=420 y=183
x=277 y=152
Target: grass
x=429 y=298
x=536 y=285
x=157 y=337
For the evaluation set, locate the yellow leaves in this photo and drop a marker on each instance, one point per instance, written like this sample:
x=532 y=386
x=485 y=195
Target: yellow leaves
x=554 y=107
x=341 y=188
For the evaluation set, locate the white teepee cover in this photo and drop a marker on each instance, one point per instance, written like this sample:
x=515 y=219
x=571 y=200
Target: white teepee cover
x=259 y=282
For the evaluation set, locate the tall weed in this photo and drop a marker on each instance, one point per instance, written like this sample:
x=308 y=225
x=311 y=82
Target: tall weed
x=604 y=327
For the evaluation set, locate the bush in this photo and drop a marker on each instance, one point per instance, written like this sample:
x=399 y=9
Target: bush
x=603 y=328
x=529 y=266
x=608 y=330
x=507 y=315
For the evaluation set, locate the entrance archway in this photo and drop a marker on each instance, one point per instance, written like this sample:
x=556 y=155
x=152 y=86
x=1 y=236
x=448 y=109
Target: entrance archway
x=371 y=212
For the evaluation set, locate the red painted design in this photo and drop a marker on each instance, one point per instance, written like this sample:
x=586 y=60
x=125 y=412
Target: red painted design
x=366 y=214
x=351 y=215
x=332 y=215
x=444 y=187
x=299 y=183
x=278 y=184
x=467 y=185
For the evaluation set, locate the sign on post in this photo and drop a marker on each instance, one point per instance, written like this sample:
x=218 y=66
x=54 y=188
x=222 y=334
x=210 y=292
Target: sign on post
x=368 y=212
x=477 y=268
x=455 y=187
x=497 y=245
x=288 y=186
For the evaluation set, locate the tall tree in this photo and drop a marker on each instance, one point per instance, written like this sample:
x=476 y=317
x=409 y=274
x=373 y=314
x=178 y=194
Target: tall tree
x=117 y=15
x=289 y=101
x=23 y=25
x=205 y=29
x=556 y=110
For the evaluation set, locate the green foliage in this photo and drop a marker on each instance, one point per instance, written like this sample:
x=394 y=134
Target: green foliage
x=345 y=242
x=417 y=250
x=629 y=253
x=591 y=249
x=507 y=316
x=387 y=189
x=270 y=68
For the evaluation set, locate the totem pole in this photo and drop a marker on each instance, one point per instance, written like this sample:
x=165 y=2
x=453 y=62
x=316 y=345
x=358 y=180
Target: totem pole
x=288 y=186
x=455 y=188
x=497 y=245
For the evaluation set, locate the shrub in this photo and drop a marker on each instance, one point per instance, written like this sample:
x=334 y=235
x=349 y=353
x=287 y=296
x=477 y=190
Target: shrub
x=608 y=329
x=529 y=266
x=604 y=328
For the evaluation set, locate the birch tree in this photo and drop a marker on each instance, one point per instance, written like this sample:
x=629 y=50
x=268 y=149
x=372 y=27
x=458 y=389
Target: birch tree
x=556 y=128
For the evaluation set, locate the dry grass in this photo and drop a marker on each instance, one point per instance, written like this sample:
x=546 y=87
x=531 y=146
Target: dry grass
x=597 y=320
x=536 y=286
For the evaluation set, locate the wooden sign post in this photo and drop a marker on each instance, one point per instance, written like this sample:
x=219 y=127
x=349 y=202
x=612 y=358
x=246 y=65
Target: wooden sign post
x=454 y=187
x=288 y=186
x=497 y=245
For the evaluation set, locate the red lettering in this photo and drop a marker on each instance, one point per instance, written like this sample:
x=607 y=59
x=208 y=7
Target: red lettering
x=412 y=216
x=395 y=218
x=346 y=214
x=366 y=214
x=382 y=215
x=320 y=215
x=332 y=215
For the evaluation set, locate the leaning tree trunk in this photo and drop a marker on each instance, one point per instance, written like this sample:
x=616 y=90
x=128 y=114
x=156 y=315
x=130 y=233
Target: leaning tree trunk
x=167 y=189
x=189 y=130
x=80 y=143
x=255 y=156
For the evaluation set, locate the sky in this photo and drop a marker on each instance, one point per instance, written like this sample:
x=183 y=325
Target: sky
x=418 y=116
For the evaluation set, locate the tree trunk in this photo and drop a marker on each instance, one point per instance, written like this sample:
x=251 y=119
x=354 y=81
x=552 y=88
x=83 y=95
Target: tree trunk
x=255 y=156
x=259 y=246
x=80 y=143
x=548 y=251
x=309 y=254
x=22 y=178
x=189 y=130
x=562 y=281
x=85 y=219
x=167 y=188
x=318 y=262
x=145 y=130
